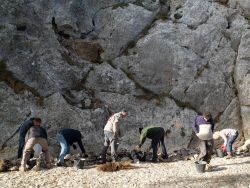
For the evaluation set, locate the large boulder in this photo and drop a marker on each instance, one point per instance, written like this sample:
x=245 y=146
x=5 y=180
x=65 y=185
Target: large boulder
x=105 y=78
x=118 y=26
x=245 y=6
x=74 y=62
x=242 y=77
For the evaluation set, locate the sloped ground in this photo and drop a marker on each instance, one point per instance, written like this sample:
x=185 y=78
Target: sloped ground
x=227 y=173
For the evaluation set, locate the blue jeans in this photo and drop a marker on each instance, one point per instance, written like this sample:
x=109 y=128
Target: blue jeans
x=65 y=147
x=230 y=142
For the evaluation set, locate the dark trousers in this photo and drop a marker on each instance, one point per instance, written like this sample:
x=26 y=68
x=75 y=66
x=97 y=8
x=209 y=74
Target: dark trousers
x=21 y=146
x=156 y=140
x=206 y=150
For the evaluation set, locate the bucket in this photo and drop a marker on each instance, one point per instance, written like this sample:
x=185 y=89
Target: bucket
x=200 y=166
x=220 y=153
x=79 y=163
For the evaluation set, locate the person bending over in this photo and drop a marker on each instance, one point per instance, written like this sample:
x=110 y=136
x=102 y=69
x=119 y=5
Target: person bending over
x=156 y=134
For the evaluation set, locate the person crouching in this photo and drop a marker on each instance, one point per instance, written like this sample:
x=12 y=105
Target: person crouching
x=156 y=134
x=229 y=136
x=67 y=137
x=36 y=135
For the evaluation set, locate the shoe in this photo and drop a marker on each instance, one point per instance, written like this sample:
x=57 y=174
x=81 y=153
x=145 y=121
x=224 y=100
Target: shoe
x=165 y=156
x=59 y=164
x=22 y=169
x=228 y=157
x=36 y=168
x=48 y=166
x=154 y=161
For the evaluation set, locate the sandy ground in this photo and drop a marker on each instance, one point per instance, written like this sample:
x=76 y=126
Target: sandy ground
x=227 y=173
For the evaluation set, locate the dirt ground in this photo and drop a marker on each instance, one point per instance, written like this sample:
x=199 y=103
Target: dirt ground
x=227 y=173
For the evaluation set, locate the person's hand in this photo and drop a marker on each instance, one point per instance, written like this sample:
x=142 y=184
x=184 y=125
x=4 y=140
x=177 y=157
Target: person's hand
x=74 y=146
x=137 y=148
x=224 y=148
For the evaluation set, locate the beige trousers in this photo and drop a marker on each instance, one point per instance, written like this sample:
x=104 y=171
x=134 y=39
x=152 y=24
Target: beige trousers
x=29 y=147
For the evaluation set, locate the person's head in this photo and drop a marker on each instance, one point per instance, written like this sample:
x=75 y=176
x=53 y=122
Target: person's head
x=207 y=116
x=37 y=121
x=140 y=129
x=216 y=135
x=124 y=113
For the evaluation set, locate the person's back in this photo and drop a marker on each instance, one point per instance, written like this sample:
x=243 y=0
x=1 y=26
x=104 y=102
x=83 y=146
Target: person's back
x=71 y=135
x=156 y=134
x=37 y=131
x=151 y=131
x=228 y=132
x=112 y=123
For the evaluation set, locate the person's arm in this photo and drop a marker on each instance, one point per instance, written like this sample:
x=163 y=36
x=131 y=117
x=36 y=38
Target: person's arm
x=213 y=125
x=116 y=127
x=194 y=126
x=79 y=141
x=142 y=137
x=224 y=138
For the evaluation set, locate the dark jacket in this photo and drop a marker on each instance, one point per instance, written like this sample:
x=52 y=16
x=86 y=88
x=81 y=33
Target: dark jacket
x=150 y=132
x=71 y=136
x=24 y=128
x=36 y=132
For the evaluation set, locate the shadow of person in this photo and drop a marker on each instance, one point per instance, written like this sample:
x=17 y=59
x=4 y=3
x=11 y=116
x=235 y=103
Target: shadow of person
x=218 y=169
x=231 y=164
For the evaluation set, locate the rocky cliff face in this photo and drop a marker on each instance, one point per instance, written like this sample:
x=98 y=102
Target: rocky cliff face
x=73 y=62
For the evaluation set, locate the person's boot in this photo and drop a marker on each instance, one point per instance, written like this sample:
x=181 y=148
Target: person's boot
x=114 y=158
x=60 y=164
x=164 y=156
x=103 y=155
x=229 y=156
x=154 y=160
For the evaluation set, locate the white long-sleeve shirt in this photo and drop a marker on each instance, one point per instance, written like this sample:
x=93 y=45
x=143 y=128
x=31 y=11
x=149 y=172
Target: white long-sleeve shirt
x=112 y=124
x=226 y=133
